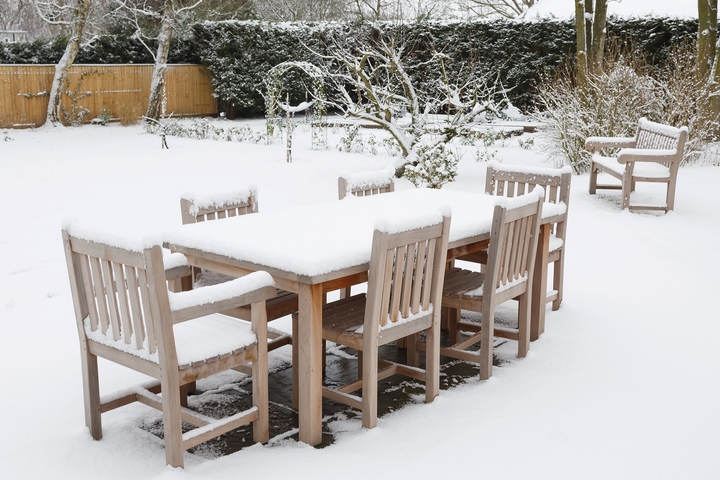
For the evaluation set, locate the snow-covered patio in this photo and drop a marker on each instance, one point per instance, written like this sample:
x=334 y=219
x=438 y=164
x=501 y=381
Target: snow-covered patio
x=624 y=383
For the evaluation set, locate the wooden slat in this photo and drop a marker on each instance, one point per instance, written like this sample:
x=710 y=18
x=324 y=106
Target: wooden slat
x=89 y=291
x=421 y=266
x=408 y=279
x=397 y=280
x=135 y=306
x=126 y=321
x=99 y=291
x=110 y=291
x=147 y=311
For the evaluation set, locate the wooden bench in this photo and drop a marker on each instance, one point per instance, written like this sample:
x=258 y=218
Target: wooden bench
x=653 y=155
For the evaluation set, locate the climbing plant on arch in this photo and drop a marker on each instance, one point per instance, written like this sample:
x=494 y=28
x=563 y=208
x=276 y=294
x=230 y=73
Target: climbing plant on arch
x=274 y=88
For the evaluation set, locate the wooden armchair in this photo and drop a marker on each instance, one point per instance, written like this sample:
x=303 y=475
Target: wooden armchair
x=195 y=209
x=508 y=276
x=512 y=181
x=403 y=299
x=126 y=315
x=654 y=155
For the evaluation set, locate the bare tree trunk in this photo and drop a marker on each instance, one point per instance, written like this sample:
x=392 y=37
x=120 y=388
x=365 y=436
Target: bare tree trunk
x=597 y=53
x=589 y=9
x=715 y=83
x=707 y=35
x=157 y=85
x=581 y=43
x=60 y=80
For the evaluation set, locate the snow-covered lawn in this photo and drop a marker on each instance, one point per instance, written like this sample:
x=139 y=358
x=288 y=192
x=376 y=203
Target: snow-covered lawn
x=625 y=382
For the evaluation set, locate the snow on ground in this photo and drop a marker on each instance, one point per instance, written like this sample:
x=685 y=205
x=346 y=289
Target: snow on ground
x=621 y=8
x=624 y=383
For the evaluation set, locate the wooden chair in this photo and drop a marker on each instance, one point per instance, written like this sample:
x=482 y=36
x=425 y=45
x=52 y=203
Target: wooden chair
x=195 y=209
x=126 y=315
x=654 y=155
x=363 y=184
x=403 y=299
x=511 y=181
x=508 y=276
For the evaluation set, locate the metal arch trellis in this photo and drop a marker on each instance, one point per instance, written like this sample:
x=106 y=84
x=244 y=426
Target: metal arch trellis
x=274 y=87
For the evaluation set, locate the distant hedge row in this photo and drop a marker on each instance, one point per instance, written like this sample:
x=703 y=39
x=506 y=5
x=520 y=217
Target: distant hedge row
x=107 y=49
x=240 y=53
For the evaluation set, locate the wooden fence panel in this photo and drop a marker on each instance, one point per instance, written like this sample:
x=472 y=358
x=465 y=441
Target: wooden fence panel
x=122 y=89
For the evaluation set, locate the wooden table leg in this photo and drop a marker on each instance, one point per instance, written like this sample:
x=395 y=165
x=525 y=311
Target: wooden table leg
x=539 y=285
x=309 y=345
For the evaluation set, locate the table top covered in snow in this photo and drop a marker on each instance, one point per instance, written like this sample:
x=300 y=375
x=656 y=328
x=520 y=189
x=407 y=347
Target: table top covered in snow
x=315 y=243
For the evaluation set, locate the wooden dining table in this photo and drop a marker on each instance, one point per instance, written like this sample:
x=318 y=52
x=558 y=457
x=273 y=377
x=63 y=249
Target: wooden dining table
x=318 y=248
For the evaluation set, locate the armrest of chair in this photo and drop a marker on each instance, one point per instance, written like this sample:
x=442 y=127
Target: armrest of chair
x=252 y=288
x=176 y=266
x=596 y=143
x=646 y=155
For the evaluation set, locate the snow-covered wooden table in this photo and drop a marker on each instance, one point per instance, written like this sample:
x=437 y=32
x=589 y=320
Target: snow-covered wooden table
x=324 y=247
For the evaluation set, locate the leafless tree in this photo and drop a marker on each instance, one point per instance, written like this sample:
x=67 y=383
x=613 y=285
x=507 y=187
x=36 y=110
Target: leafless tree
x=298 y=10
x=503 y=8
x=155 y=19
x=21 y=15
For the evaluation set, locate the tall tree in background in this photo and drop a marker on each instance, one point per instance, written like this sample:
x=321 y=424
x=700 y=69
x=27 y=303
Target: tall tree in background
x=72 y=15
x=590 y=25
x=709 y=52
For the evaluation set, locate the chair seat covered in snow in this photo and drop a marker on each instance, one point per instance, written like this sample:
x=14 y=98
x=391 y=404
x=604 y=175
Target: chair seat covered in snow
x=403 y=299
x=126 y=314
x=200 y=208
x=653 y=155
x=508 y=276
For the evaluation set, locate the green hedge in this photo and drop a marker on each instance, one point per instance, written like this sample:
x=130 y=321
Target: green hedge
x=106 y=49
x=240 y=53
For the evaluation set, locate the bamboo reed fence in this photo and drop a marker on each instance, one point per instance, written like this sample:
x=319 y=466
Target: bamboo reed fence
x=122 y=89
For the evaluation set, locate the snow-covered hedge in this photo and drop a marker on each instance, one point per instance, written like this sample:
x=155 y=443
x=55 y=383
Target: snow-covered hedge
x=239 y=54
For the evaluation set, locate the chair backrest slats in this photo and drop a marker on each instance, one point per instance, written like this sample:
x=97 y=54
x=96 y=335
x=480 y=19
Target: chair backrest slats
x=405 y=272
x=195 y=211
x=556 y=183
x=135 y=305
x=512 y=248
x=364 y=184
x=115 y=291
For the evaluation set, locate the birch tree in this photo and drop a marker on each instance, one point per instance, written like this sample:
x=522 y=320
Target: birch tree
x=707 y=35
x=154 y=19
x=71 y=15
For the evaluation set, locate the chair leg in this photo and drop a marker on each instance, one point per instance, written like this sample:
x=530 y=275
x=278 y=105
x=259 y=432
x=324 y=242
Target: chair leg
x=91 y=393
x=524 y=323
x=558 y=272
x=486 y=340
x=172 y=423
x=627 y=186
x=432 y=360
x=184 y=391
x=453 y=330
x=412 y=355
x=670 y=196
x=369 y=384
x=295 y=363
x=593 y=178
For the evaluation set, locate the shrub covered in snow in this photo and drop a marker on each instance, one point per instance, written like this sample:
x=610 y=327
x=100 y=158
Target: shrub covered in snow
x=613 y=100
x=434 y=165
